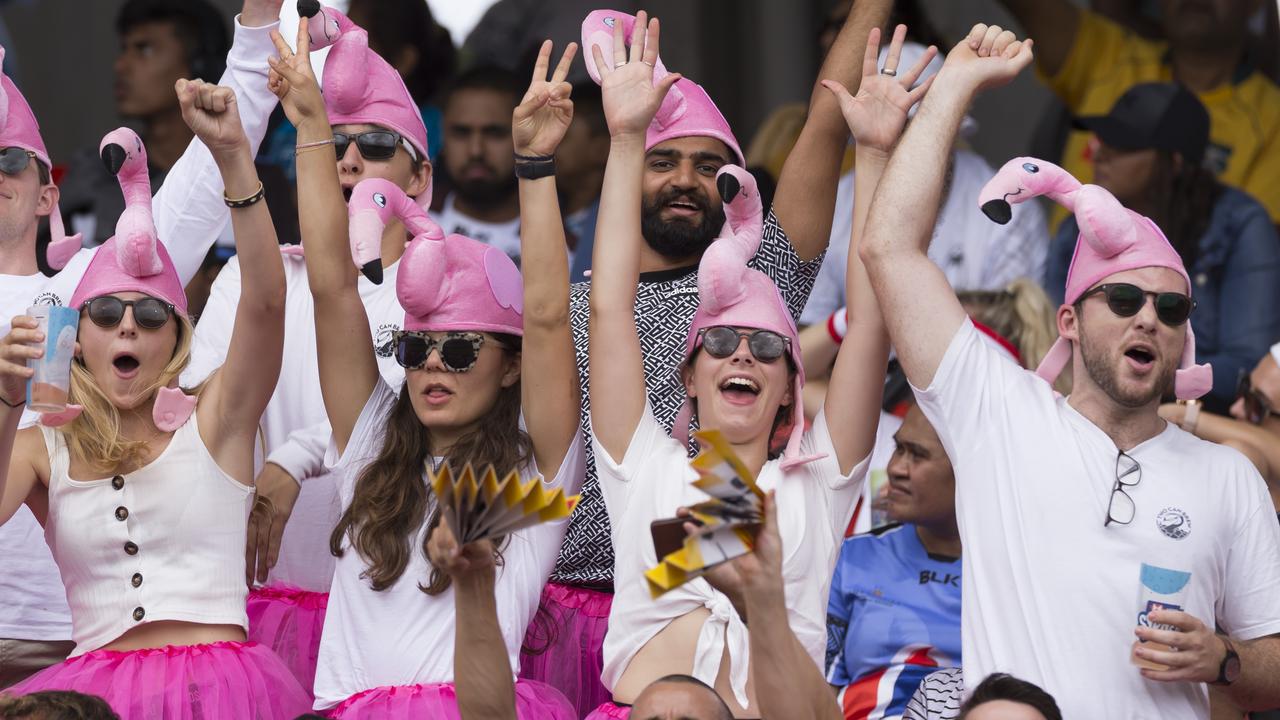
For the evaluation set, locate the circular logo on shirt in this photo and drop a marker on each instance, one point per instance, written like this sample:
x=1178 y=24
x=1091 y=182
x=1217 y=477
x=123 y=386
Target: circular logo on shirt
x=46 y=298
x=380 y=200
x=1174 y=523
x=384 y=344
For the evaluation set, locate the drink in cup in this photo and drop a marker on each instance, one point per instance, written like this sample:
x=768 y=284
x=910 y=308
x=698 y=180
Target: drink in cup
x=1158 y=589
x=47 y=390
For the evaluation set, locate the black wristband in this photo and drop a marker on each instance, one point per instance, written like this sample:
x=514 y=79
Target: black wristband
x=534 y=158
x=16 y=405
x=236 y=203
x=534 y=170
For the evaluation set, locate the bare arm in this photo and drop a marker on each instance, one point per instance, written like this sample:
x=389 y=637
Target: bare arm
x=1264 y=447
x=617 y=371
x=919 y=306
x=549 y=371
x=806 y=195
x=18 y=475
x=1053 y=25
x=1257 y=688
x=348 y=365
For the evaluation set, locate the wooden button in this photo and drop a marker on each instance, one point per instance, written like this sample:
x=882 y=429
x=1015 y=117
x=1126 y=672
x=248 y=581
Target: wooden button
x=117 y=482
x=130 y=547
x=136 y=580
x=139 y=613
x=122 y=513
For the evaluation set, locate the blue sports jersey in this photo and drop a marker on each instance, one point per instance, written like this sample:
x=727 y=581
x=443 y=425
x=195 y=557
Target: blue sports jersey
x=893 y=617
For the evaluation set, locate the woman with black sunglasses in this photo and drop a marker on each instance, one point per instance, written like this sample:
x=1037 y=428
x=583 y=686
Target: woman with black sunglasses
x=145 y=488
x=743 y=376
x=386 y=646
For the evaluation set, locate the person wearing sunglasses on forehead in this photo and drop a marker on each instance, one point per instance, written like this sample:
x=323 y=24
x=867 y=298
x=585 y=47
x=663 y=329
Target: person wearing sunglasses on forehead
x=145 y=487
x=1061 y=501
x=484 y=384
x=742 y=375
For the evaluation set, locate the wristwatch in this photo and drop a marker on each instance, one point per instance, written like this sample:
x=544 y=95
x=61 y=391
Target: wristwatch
x=1229 y=670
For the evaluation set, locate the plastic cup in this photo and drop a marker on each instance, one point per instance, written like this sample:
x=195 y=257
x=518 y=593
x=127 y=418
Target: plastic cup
x=1158 y=589
x=879 y=484
x=47 y=391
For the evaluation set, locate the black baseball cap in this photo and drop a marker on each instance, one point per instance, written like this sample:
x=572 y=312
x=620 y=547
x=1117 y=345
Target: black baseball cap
x=1154 y=116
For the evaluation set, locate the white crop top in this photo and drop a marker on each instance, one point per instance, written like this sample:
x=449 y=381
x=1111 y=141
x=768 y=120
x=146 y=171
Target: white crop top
x=165 y=542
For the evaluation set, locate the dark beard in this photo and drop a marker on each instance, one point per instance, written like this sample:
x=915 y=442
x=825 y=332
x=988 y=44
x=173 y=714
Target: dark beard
x=678 y=239
x=486 y=193
x=1103 y=373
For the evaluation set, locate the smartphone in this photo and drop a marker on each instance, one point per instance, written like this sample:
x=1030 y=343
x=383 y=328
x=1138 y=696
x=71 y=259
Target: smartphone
x=668 y=535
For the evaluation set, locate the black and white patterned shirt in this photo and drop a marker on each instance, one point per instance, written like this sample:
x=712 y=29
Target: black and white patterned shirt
x=665 y=305
x=938 y=697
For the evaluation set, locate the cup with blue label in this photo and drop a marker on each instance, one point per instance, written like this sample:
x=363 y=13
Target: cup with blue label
x=1158 y=589
x=47 y=390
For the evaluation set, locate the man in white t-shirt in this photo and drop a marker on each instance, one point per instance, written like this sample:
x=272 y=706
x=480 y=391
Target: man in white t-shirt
x=35 y=622
x=1088 y=522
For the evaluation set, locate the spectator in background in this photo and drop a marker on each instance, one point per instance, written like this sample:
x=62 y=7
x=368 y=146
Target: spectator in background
x=478 y=159
x=198 y=289
x=998 y=697
x=580 y=170
x=1089 y=62
x=1149 y=152
x=56 y=705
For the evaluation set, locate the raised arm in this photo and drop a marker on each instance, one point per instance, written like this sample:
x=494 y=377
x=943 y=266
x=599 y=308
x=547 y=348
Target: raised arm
x=18 y=475
x=238 y=393
x=1053 y=24
x=919 y=306
x=617 y=369
x=549 y=371
x=806 y=195
x=876 y=117
x=348 y=366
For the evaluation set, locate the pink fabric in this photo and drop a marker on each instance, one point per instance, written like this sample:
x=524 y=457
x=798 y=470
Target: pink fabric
x=686 y=111
x=609 y=711
x=534 y=701
x=289 y=620
x=731 y=293
x=444 y=283
x=18 y=128
x=191 y=682
x=564 y=644
x=1112 y=239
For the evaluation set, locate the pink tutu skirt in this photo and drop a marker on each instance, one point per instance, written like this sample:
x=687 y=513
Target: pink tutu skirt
x=288 y=620
x=181 y=682
x=438 y=701
x=563 y=646
x=609 y=711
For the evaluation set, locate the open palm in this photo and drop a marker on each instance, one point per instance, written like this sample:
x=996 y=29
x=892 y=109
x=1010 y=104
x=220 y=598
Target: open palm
x=628 y=92
x=878 y=113
x=539 y=123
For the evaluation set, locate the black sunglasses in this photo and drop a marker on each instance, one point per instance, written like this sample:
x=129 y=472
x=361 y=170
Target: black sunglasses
x=1257 y=407
x=1126 y=300
x=721 y=341
x=373 y=145
x=1126 y=468
x=14 y=160
x=458 y=350
x=108 y=310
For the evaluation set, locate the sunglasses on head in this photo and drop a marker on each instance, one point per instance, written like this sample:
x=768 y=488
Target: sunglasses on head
x=108 y=310
x=1125 y=300
x=458 y=350
x=14 y=160
x=373 y=145
x=1256 y=406
x=722 y=341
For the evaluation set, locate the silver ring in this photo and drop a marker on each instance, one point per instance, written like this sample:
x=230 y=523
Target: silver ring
x=618 y=65
x=646 y=62
x=887 y=71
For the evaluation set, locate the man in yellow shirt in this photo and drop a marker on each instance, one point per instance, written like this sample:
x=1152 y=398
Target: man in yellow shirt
x=1089 y=62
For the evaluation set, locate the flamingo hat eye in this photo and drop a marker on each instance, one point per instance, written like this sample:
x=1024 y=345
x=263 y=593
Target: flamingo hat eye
x=1031 y=167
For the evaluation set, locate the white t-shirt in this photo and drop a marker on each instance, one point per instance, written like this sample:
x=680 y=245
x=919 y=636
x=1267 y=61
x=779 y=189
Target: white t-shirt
x=504 y=235
x=1050 y=595
x=401 y=635
x=974 y=252
x=189 y=215
x=653 y=480
x=295 y=428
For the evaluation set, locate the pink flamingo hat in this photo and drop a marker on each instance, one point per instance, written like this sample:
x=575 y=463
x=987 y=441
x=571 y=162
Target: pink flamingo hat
x=444 y=283
x=731 y=293
x=359 y=86
x=686 y=111
x=133 y=261
x=18 y=128
x=1112 y=239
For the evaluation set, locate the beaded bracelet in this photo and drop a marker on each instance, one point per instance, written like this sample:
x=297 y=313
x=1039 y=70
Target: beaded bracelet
x=245 y=202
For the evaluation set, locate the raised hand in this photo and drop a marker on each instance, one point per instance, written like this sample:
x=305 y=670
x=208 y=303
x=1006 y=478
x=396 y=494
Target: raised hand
x=877 y=114
x=210 y=111
x=257 y=13
x=23 y=342
x=293 y=81
x=539 y=123
x=989 y=57
x=629 y=95
x=474 y=559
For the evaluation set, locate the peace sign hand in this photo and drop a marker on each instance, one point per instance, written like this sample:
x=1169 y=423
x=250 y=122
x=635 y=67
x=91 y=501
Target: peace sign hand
x=629 y=95
x=539 y=123
x=877 y=114
x=293 y=81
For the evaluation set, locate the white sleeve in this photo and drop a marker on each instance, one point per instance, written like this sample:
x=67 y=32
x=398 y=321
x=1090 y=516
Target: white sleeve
x=213 y=331
x=827 y=295
x=302 y=454
x=188 y=208
x=1249 y=607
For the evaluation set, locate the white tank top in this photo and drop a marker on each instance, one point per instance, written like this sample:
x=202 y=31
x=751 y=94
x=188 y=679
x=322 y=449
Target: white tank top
x=165 y=542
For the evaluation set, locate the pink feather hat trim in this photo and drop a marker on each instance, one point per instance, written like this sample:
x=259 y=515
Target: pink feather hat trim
x=733 y=294
x=18 y=128
x=686 y=111
x=1112 y=239
x=444 y=283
